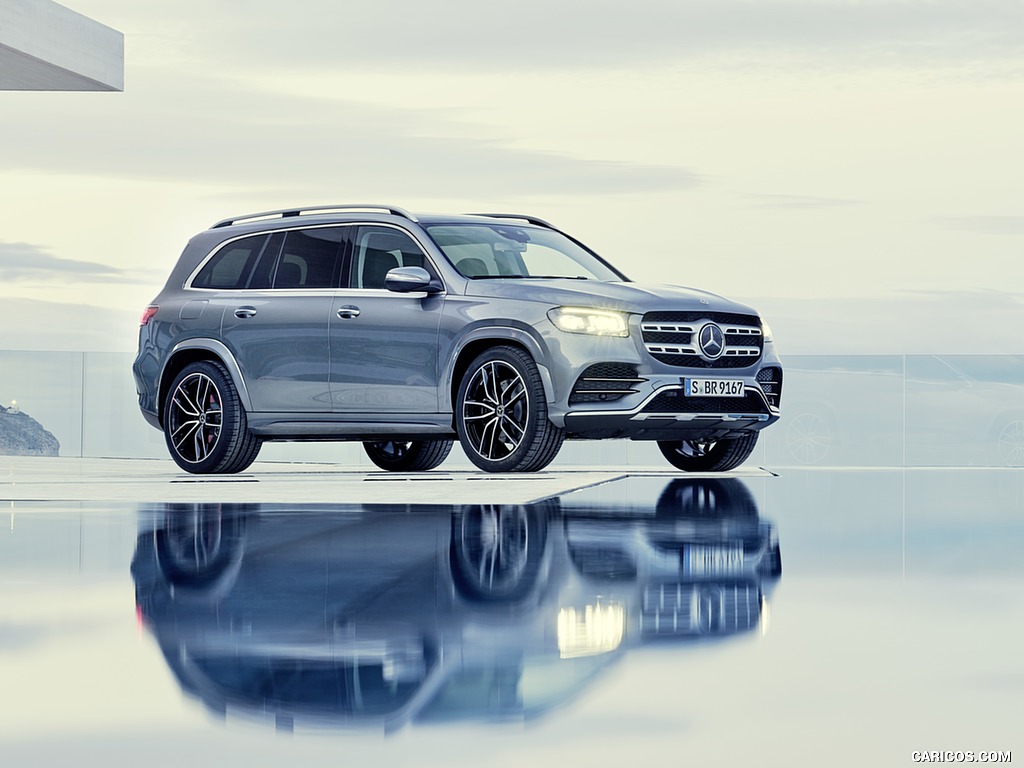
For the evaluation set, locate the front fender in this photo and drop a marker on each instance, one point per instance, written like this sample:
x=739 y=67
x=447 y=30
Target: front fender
x=523 y=336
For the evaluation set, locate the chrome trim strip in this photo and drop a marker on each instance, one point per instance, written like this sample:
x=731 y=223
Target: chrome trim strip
x=735 y=330
x=635 y=411
x=699 y=416
x=664 y=349
x=667 y=328
x=741 y=330
x=741 y=352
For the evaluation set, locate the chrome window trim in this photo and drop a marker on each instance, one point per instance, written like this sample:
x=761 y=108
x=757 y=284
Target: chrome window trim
x=187 y=284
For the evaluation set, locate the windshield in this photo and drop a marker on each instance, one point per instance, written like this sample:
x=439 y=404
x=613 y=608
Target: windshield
x=494 y=251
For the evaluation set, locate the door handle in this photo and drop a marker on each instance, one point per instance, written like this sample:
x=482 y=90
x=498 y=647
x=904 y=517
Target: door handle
x=244 y=312
x=348 y=312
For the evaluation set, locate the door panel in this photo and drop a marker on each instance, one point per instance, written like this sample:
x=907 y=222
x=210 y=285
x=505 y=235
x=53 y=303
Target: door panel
x=279 y=336
x=280 y=342
x=384 y=352
x=383 y=344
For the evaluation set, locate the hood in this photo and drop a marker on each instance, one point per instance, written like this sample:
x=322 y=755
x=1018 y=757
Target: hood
x=625 y=297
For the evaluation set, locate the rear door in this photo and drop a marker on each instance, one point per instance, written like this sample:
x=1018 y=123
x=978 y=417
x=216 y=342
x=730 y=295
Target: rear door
x=277 y=325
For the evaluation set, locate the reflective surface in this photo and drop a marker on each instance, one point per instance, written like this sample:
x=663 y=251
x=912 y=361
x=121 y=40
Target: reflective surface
x=644 y=618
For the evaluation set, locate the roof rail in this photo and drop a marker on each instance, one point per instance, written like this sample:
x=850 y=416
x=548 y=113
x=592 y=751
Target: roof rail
x=287 y=212
x=530 y=219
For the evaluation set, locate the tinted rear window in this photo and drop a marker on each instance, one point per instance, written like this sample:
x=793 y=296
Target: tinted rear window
x=311 y=258
x=230 y=267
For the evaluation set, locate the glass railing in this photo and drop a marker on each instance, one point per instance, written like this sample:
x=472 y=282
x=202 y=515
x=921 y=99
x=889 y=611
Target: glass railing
x=848 y=410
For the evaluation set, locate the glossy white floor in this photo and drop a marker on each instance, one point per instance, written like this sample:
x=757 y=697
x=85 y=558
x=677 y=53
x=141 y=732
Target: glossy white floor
x=196 y=632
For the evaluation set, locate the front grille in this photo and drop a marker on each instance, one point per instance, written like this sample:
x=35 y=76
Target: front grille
x=770 y=379
x=603 y=562
x=671 y=338
x=674 y=401
x=697 y=609
x=605 y=383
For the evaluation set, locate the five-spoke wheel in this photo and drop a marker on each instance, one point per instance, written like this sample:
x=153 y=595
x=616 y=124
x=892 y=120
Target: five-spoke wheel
x=501 y=413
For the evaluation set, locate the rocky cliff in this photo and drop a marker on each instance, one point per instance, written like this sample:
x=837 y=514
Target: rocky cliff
x=21 y=435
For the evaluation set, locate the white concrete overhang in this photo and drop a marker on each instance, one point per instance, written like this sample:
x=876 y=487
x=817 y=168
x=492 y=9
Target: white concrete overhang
x=47 y=47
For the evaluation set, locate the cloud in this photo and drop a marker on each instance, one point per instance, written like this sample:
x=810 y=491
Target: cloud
x=209 y=130
x=24 y=261
x=996 y=225
x=17 y=637
x=799 y=201
x=977 y=300
x=397 y=35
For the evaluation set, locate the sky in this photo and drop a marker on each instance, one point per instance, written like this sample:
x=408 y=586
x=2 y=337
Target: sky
x=851 y=169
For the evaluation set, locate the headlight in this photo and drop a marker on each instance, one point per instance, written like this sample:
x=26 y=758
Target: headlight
x=594 y=630
x=597 y=322
x=766 y=332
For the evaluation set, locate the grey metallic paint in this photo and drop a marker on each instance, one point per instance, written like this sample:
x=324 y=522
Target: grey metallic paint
x=392 y=370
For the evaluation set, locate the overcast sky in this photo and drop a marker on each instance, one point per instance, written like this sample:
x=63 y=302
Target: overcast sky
x=853 y=169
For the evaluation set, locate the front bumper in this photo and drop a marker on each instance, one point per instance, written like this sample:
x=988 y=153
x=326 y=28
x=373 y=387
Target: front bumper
x=666 y=413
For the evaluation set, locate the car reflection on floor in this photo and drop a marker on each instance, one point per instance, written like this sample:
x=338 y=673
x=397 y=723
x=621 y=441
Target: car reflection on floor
x=382 y=615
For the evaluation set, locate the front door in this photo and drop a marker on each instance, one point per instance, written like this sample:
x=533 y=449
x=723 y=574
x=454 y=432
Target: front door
x=384 y=345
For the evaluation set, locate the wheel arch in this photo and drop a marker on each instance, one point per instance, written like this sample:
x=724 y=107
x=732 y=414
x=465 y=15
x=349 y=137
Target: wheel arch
x=484 y=339
x=195 y=350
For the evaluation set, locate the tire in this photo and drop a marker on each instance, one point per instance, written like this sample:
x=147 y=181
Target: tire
x=706 y=499
x=205 y=427
x=708 y=456
x=408 y=455
x=497 y=550
x=502 y=416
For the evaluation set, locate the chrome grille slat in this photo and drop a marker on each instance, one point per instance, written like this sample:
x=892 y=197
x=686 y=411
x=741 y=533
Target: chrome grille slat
x=699 y=608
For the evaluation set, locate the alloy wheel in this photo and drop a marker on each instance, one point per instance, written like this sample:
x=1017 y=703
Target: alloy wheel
x=496 y=410
x=196 y=417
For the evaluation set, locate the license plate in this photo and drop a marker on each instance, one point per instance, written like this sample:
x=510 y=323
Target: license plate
x=700 y=560
x=713 y=387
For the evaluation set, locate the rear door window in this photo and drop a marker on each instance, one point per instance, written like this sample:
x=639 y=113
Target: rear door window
x=311 y=258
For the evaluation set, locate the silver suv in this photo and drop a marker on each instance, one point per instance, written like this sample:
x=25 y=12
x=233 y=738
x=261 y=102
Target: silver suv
x=405 y=332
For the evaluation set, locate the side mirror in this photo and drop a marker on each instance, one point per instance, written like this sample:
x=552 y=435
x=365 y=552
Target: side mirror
x=409 y=279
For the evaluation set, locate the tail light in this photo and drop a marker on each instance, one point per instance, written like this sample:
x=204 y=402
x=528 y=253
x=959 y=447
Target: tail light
x=147 y=314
